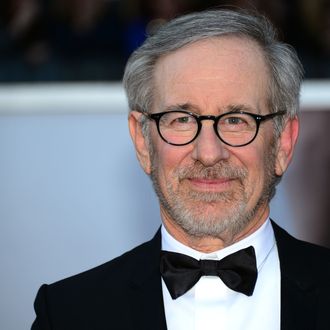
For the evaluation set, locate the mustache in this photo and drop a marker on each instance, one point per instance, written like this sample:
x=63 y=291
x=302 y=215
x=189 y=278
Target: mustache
x=218 y=171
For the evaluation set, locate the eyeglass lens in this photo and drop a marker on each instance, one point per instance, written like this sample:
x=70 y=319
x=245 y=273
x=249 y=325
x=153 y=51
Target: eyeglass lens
x=233 y=128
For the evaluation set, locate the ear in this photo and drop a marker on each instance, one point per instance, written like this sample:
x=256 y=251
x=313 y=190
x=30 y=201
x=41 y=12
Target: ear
x=139 y=140
x=286 y=145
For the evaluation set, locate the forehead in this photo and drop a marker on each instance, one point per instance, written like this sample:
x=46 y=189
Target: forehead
x=217 y=70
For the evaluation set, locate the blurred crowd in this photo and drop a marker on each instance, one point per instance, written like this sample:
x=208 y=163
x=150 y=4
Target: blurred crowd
x=88 y=40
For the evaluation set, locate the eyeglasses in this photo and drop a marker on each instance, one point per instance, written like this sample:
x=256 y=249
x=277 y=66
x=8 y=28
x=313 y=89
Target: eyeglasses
x=236 y=128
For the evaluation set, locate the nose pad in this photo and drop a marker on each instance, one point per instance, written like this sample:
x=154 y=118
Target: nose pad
x=208 y=148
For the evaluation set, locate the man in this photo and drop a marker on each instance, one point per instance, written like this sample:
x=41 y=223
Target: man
x=213 y=99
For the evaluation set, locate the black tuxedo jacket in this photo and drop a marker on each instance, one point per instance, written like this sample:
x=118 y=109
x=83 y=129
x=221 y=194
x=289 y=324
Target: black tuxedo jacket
x=126 y=293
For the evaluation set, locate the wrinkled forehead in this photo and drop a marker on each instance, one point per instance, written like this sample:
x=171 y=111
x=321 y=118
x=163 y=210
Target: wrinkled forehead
x=232 y=64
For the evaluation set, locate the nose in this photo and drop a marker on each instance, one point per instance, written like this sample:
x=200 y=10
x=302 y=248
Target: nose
x=208 y=148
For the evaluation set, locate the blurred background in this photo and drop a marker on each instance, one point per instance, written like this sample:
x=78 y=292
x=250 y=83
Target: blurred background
x=74 y=40
x=72 y=194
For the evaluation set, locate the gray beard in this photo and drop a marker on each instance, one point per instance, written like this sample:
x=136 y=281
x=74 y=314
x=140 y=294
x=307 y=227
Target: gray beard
x=198 y=214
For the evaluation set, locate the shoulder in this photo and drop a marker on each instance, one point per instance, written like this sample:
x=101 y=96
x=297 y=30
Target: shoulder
x=109 y=279
x=287 y=241
x=84 y=301
x=119 y=268
x=296 y=254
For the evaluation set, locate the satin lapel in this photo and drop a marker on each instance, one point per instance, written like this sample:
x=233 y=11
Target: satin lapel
x=299 y=293
x=146 y=300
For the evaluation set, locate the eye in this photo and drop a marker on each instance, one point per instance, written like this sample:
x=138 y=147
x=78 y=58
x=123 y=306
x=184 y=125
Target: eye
x=183 y=119
x=177 y=120
x=234 y=121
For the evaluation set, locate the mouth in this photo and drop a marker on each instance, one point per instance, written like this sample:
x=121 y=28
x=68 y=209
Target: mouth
x=211 y=185
x=219 y=179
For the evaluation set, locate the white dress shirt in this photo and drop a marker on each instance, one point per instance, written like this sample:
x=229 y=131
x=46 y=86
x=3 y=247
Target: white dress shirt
x=210 y=304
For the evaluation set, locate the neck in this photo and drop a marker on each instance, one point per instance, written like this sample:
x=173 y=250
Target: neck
x=209 y=244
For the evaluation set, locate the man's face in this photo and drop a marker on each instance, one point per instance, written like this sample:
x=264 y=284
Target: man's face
x=207 y=188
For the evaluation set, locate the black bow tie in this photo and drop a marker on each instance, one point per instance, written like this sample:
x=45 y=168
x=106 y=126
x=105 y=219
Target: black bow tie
x=180 y=272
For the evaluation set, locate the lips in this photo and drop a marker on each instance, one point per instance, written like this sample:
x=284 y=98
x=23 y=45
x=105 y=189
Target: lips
x=211 y=181
x=212 y=184
x=217 y=178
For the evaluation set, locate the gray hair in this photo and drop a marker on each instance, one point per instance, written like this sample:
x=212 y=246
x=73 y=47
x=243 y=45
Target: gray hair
x=284 y=66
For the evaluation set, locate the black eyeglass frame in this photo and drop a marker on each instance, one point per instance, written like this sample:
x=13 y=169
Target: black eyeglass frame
x=258 y=119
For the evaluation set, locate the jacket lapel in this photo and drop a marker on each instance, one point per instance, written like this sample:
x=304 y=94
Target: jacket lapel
x=299 y=292
x=299 y=289
x=146 y=299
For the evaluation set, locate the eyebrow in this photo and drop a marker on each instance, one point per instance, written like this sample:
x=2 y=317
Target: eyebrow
x=184 y=106
x=196 y=110
x=241 y=107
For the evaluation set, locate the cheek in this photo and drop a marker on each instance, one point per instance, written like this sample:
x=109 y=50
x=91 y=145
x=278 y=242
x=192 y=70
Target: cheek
x=254 y=161
x=261 y=175
x=167 y=159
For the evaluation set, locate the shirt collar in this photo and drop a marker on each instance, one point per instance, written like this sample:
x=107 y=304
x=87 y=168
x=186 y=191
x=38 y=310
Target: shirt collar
x=263 y=240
